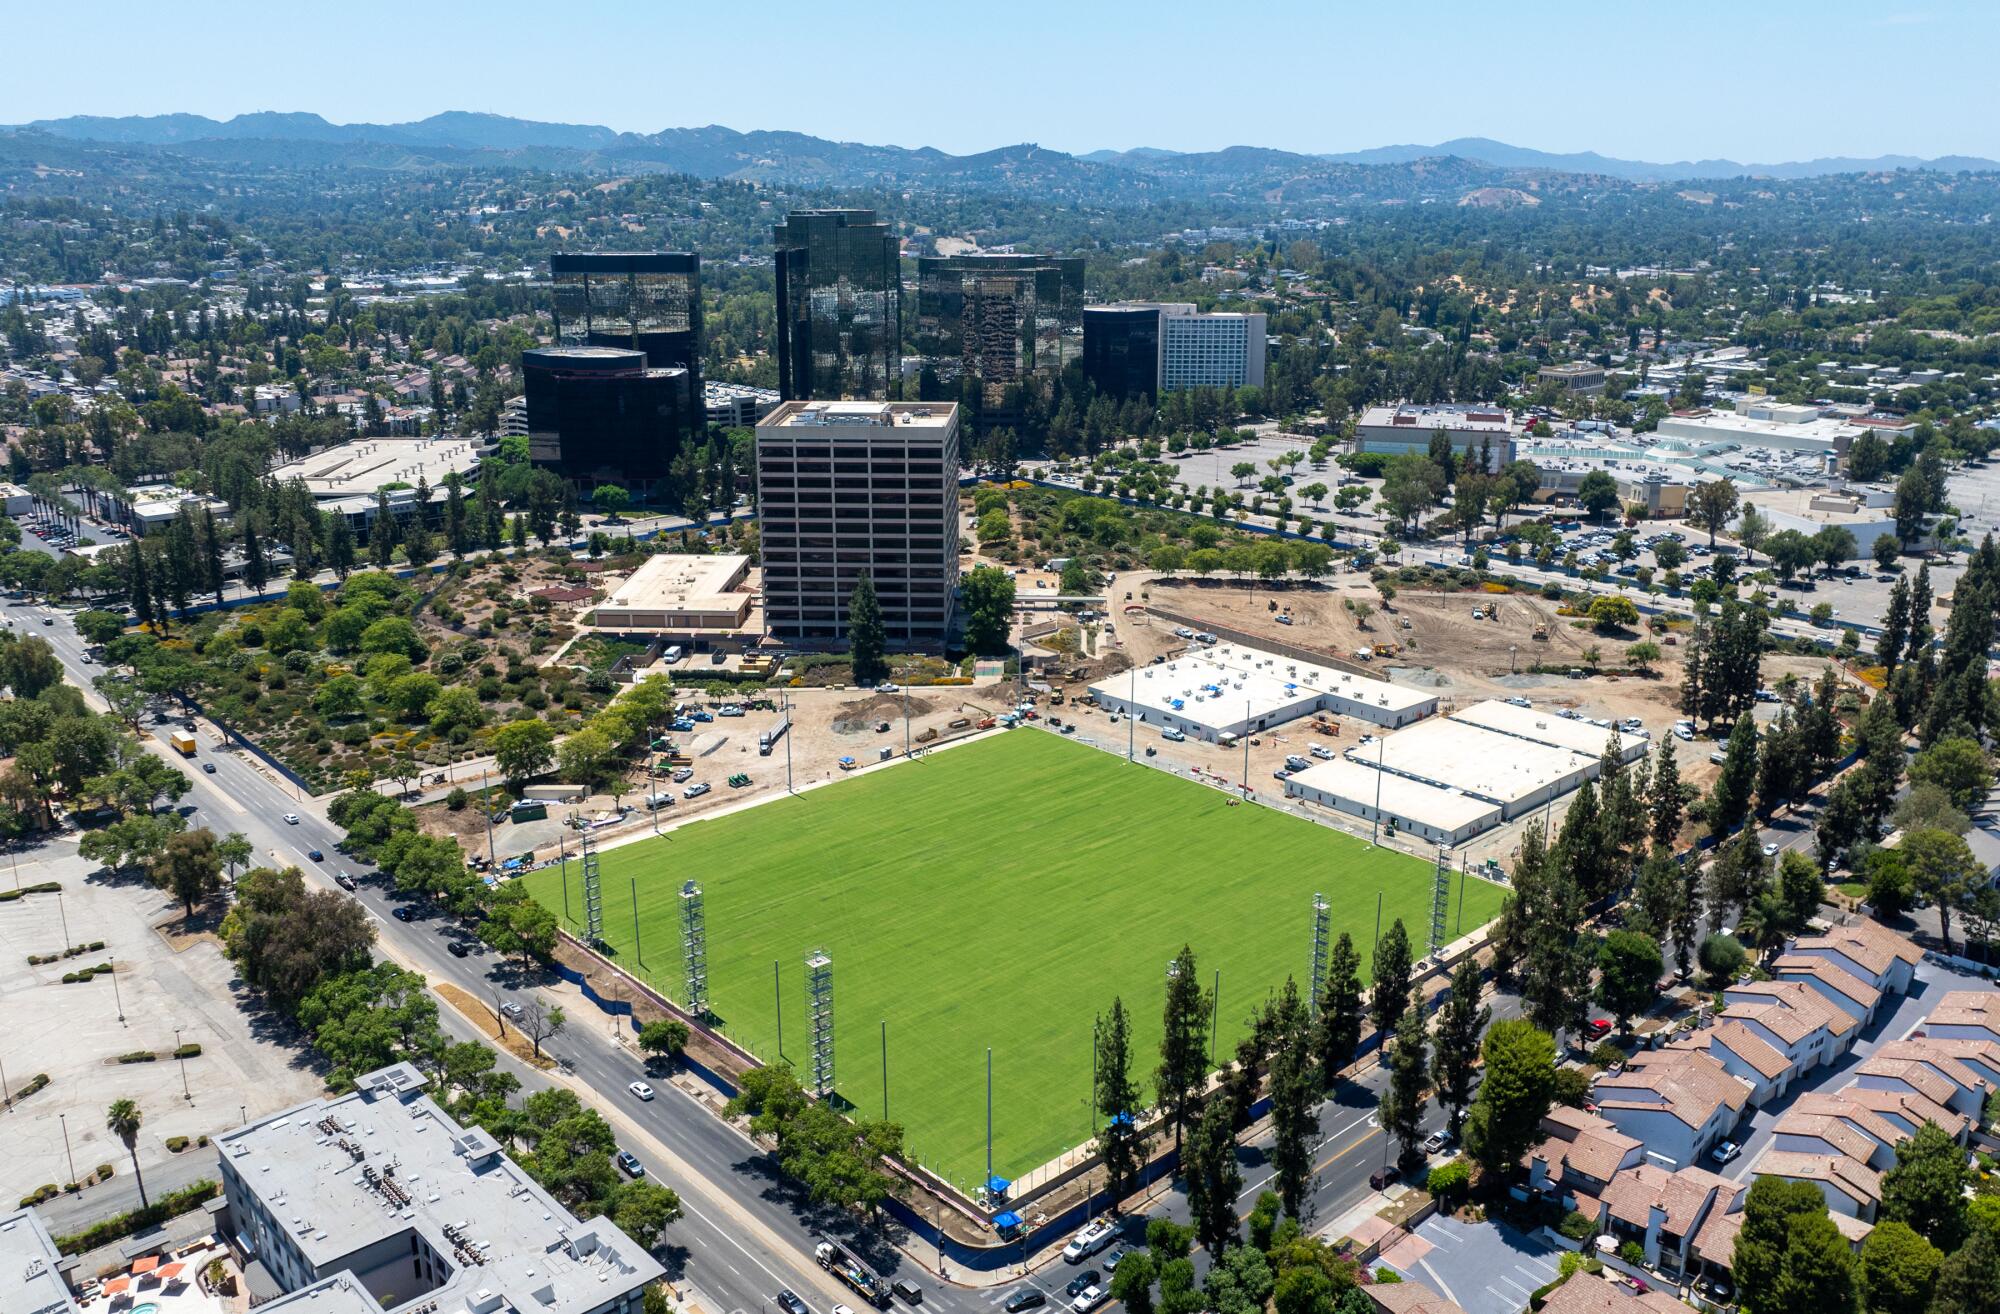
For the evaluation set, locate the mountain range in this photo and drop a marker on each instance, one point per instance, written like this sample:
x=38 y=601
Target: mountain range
x=718 y=152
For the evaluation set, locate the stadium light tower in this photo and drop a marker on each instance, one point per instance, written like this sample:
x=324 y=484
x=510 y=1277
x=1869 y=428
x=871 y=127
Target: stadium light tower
x=593 y=891
x=819 y=1019
x=1316 y=979
x=694 y=950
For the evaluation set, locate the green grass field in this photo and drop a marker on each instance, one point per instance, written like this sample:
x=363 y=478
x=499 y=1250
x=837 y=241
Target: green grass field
x=998 y=894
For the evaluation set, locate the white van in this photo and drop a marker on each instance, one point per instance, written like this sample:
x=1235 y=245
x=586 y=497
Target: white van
x=672 y=654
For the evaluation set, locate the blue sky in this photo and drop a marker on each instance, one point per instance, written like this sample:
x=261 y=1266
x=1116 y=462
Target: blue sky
x=1754 y=80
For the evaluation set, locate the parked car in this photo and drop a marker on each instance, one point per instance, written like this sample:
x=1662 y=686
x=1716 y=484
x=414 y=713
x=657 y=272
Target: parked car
x=1725 y=1152
x=1172 y=736
x=697 y=790
x=682 y=775
x=1598 y=1027
x=641 y=1089
x=1437 y=1142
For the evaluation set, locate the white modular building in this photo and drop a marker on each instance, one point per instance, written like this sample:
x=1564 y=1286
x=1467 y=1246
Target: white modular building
x=1516 y=775
x=1414 y=807
x=1540 y=727
x=1233 y=690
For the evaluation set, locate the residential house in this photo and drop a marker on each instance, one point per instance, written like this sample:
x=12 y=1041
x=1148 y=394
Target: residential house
x=1678 y=1102
x=1961 y=1086
x=1744 y=1055
x=1409 y=1297
x=1714 y=1250
x=1906 y=1109
x=1579 y=1156
x=1850 y=1188
x=1866 y=950
x=1663 y=1211
x=1590 y=1293
x=1838 y=986
x=1835 y=1123
x=1965 y=1015
x=1794 y=1019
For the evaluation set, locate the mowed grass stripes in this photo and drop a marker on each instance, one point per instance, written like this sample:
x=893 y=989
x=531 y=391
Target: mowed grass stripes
x=998 y=894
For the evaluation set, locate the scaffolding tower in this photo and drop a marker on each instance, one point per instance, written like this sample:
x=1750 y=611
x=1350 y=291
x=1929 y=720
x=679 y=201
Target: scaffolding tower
x=593 y=893
x=694 y=950
x=1440 y=900
x=1316 y=979
x=819 y=1019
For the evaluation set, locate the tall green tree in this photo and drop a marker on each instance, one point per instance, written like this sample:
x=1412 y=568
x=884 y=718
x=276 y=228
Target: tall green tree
x=382 y=533
x=1389 y=995
x=1790 y=1259
x=989 y=609
x=1294 y=1094
x=1402 y=1106
x=1729 y=803
x=866 y=639
x=1119 y=1142
x=1183 y=1044
x=1213 y=1181
x=1455 y=1040
x=1338 y=1029
x=1899 y=1269
x=1628 y=967
x=1514 y=1095
x=1926 y=1187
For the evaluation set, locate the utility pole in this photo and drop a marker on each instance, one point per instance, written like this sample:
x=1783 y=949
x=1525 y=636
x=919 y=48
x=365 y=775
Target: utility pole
x=785 y=714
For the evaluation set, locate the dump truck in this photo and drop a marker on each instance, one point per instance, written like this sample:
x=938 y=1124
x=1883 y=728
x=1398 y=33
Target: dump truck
x=770 y=737
x=851 y=1271
x=183 y=743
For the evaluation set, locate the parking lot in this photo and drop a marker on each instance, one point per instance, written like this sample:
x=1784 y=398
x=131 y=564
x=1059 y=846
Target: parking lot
x=1487 y=1268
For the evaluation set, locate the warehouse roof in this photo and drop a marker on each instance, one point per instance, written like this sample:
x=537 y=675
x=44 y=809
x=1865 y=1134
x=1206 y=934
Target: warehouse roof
x=1544 y=727
x=1443 y=809
x=1478 y=761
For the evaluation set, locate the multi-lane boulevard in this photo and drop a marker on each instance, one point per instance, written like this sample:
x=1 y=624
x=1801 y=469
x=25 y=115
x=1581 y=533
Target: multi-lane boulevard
x=746 y=1232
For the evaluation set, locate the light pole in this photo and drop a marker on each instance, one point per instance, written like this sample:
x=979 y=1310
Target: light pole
x=115 y=994
x=785 y=714
x=906 y=720
x=1131 y=726
x=6 y=1096
x=486 y=808
x=63 y=1118
x=180 y=1057
x=1246 y=748
x=1375 y=825
x=653 y=778
x=63 y=913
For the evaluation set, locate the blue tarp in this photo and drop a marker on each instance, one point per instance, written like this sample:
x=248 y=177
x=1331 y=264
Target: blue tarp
x=1007 y=1222
x=997 y=1186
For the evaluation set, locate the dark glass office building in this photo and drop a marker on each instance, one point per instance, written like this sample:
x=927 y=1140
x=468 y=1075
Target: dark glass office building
x=840 y=312
x=647 y=301
x=999 y=323
x=604 y=415
x=1121 y=350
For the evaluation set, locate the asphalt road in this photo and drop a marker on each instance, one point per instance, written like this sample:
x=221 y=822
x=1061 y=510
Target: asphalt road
x=746 y=1231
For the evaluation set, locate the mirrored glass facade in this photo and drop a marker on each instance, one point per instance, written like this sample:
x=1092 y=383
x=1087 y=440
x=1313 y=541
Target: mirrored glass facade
x=647 y=301
x=998 y=322
x=840 y=326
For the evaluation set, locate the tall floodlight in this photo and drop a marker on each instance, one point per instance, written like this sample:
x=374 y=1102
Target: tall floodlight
x=1440 y=899
x=694 y=950
x=1316 y=981
x=819 y=1019
x=593 y=892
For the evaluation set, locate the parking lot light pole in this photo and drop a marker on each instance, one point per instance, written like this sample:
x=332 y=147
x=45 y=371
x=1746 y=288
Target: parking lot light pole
x=181 y=1058
x=116 y=995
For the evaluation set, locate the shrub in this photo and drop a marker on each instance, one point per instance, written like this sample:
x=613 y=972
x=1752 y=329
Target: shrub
x=1449 y=1180
x=138 y=1220
x=1605 y=1054
x=175 y=1144
x=139 y=1056
x=190 y=1050
x=47 y=1191
x=103 y=1171
x=456 y=799
x=1632 y=1252
x=1577 y=1226
x=35 y=1083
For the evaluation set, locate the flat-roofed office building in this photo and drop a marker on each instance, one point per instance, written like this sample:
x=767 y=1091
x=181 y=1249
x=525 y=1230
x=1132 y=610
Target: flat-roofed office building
x=847 y=488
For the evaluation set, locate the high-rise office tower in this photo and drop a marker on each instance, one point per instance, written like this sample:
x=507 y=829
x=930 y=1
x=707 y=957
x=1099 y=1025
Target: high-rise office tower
x=840 y=317
x=998 y=322
x=1222 y=349
x=646 y=301
x=848 y=487
x=1121 y=350
x=602 y=415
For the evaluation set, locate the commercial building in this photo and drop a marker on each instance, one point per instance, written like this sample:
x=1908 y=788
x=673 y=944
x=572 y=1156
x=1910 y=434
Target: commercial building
x=1576 y=735
x=1763 y=424
x=31 y=1268
x=358 y=468
x=1406 y=429
x=852 y=488
x=150 y=509
x=1190 y=349
x=1398 y=803
x=839 y=304
x=989 y=325
x=1516 y=775
x=646 y=301
x=1578 y=378
x=376 y=1202
x=1121 y=349
x=604 y=415
x=737 y=405
x=1223 y=693
x=680 y=596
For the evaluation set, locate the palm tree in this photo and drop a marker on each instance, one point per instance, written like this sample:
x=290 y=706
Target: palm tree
x=122 y=1120
x=1765 y=923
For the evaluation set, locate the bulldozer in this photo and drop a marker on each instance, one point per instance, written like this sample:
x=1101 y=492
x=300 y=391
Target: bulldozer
x=1541 y=634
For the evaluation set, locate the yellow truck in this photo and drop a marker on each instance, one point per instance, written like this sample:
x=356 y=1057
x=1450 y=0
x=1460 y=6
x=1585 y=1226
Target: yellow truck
x=183 y=743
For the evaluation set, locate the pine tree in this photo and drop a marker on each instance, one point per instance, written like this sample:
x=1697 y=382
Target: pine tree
x=1456 y=1038
x=382 y=534
x=455 y=525
x=141 y=587
x=1730 y=801
x=1389 y=995
x=1118 y=1141
x=1402 y=1107
x=1183 y=1044
x=1669 y=796
x=865 y=638
x=256 y=572
x=211 y=543
x=519 y=534
x=1293 y=1092
x=339 y=543
x=419 y=545
x=1895 y=628
x=1339 y=1024
x=1212 y=1179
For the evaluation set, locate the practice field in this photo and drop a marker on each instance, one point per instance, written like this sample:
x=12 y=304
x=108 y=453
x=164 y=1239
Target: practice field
x=999 y=894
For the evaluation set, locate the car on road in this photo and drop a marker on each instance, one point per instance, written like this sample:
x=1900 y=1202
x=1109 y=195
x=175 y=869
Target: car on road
x=48 y=620
x=1096 y=1235
x=789 y=1302
x=696 y=791
x=1725 y=1152
x=1112 y=1260
x=628 y=1163
x=911 y=1293
x=343 y=880
x=641 y=1089
x=1598 y=1027
x=291 y=818
x=885 y=687
x=208 y=768
x=1025 y=1298
x=1089 y=1299
x=458 y=948
x=1081 y=1283
x=315 y=855
x=402 y=913
x=1381 y=1178
x=1437 y=1142
x=1770 y=850
x=510 y=1009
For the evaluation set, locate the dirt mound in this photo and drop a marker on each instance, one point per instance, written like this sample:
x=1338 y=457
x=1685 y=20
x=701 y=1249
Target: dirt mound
x=862 y=715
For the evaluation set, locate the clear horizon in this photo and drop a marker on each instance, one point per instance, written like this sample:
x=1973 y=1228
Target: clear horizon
x=1768 y=85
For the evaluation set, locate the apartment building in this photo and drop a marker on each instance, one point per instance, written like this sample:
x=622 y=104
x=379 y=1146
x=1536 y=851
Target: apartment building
x=852 y=488
x=376 y=1202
